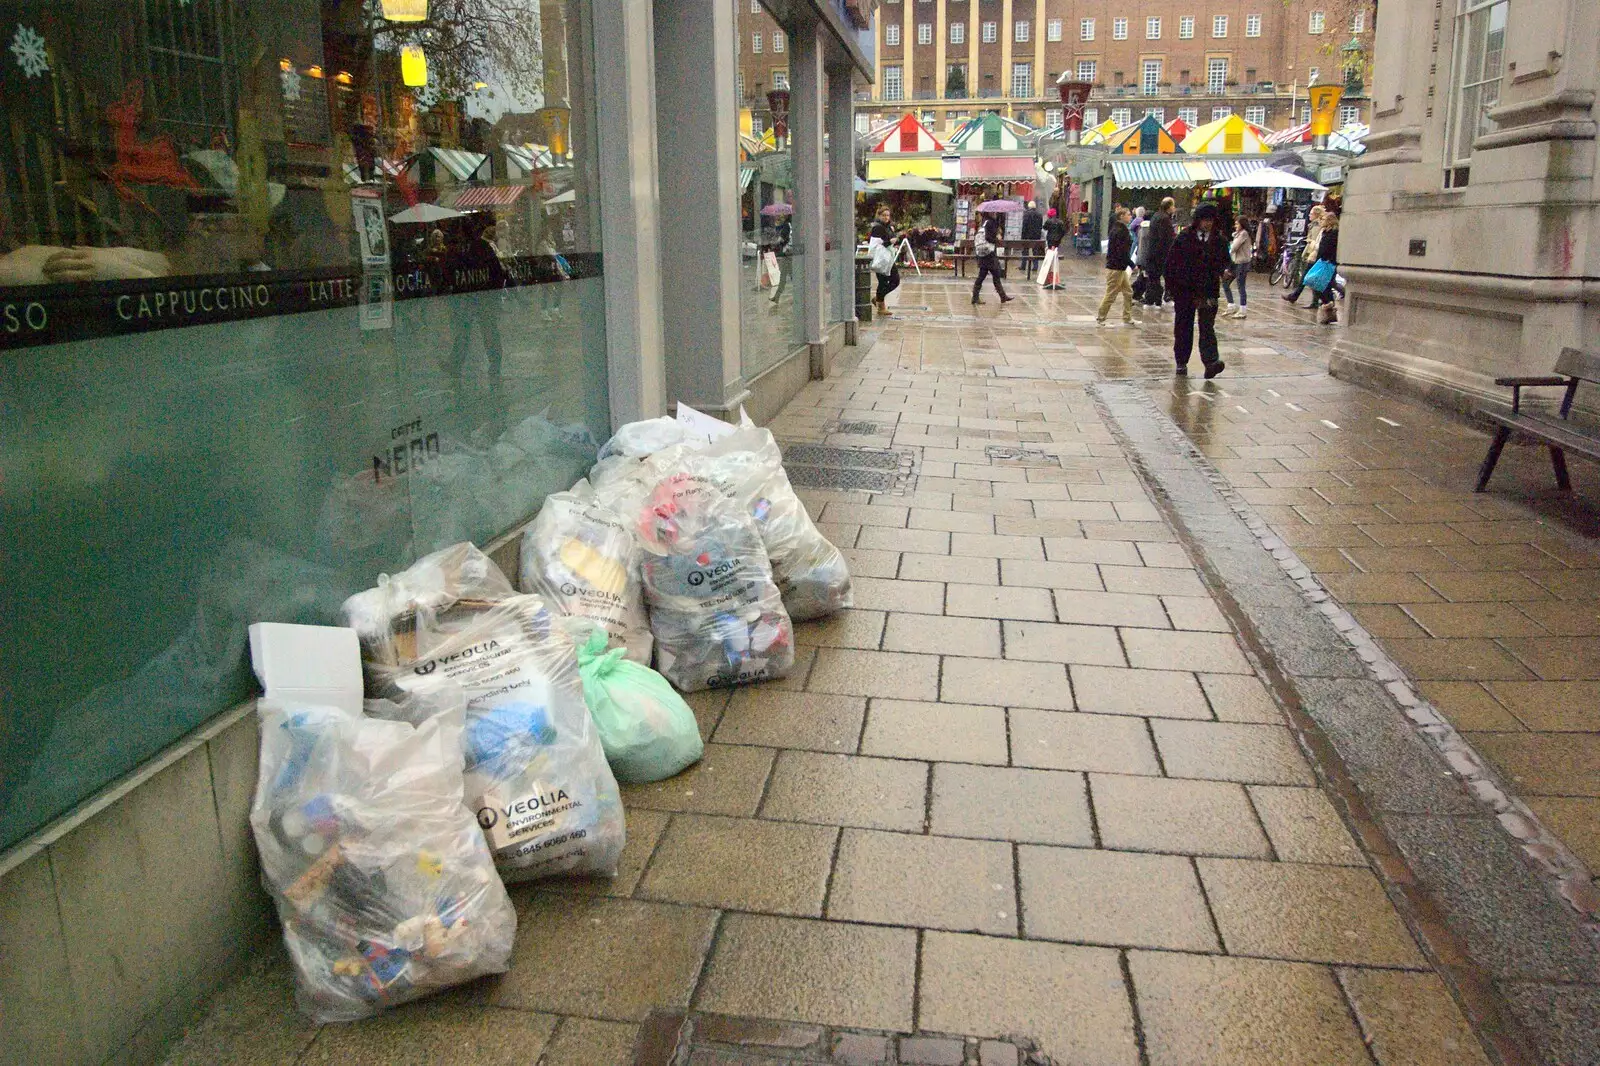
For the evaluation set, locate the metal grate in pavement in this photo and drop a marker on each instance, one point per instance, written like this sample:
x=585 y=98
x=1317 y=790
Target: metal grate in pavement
x=821 y=466
x=859 y=429
x=678 y=1038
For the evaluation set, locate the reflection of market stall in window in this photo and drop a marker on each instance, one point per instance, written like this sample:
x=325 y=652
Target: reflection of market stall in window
x=290 y=294
x=205 y=138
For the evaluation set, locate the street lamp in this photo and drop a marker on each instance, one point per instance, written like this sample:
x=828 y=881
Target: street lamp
x=778 y=101
x=1074 y=94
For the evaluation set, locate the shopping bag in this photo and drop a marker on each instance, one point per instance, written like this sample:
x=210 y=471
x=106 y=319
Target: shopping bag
x=1048 y=267
x=770 y=275
x=883 y=258
x=1320 y=276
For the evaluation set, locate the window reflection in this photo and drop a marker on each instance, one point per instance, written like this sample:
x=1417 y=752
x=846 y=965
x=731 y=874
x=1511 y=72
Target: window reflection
x=295 y=141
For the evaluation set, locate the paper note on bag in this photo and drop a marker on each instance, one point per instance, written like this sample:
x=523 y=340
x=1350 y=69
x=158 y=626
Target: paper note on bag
x=702 y=424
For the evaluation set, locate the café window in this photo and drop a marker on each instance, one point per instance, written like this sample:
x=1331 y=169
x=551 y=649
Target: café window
x=290 y=295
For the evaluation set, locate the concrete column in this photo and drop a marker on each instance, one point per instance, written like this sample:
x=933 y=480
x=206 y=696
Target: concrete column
x=941 y=35
x=630 y=238
x=842 y=214
x=1007 y=32
x=696 y=70
x=806 y=88
x=908 y=52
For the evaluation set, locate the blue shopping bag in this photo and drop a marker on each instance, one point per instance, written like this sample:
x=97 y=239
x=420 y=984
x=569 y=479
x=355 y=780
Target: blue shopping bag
x=1320 y=276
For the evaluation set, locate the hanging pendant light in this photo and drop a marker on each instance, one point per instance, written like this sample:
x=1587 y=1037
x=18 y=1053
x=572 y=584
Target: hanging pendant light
x=413 y=66
x=405 y=10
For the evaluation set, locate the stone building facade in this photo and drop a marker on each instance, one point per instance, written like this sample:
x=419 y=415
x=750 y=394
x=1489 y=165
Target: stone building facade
x=947 y=60
x=1471 y=223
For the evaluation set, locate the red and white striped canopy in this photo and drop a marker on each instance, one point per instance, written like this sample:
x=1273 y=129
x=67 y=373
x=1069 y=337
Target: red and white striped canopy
x=908 y=135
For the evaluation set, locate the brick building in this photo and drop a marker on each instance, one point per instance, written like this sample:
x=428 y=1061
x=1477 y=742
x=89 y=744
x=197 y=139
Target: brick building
x=763 y=51
x=949 y=59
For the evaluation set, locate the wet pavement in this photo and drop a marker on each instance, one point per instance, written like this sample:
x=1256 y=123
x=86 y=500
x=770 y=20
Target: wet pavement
x=1175 y=723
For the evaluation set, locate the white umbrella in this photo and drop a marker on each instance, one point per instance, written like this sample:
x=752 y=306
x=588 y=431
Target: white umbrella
x=1270 y=178
x=425 y=213
x=911 y=183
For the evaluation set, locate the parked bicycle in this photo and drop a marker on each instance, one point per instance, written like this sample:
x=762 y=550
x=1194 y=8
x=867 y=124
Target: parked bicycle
x=1289 y=264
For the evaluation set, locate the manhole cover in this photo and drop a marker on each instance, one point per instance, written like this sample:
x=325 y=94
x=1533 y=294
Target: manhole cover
x=830 y=477
x=822 y=466
x=1019 y=455
x=674 y=1038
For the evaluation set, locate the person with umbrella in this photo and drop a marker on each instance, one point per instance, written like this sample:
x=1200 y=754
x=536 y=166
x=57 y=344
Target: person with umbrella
x=782 y=233
x=987 y=249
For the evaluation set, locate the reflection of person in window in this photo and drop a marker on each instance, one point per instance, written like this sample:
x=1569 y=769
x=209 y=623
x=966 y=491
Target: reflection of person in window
x=476 y=267
x=42 y=264
x=782 y=234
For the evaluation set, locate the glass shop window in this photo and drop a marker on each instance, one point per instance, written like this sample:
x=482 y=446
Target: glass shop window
x=291 y=293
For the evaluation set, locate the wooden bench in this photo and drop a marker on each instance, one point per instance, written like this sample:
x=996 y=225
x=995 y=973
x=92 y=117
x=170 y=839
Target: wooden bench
x=1009 y=250
x=1560 y=435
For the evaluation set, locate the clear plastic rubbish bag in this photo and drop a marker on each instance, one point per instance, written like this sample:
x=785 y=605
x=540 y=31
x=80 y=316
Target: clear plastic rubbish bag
x=382 y=880
x=648 y=731
x=746 y=464
x=536 y=775
x=717 y=616
x=810 y=572
x=584 y=560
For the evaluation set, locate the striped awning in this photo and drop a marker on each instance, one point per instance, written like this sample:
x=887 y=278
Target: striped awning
x=479 y=196
x=746 y=176
x=461 y=165
x=1224 y=169
x=1154 y=173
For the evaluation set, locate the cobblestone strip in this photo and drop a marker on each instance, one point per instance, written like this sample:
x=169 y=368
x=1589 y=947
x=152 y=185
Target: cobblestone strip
x=679 y=1038
x=1440 y=816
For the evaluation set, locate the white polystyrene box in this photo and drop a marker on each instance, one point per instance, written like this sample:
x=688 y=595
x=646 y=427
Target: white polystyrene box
x=310 y=665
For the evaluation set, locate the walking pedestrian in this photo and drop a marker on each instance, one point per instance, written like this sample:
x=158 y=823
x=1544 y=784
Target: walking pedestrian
x=1119 y=256
x=782 y=234
x=1328 y=252
x=883 y=235
x=987 y=249
x=1154 y=249
x=1197 y=263
x=1032 y=230
x=1243 y=252
x=1055 y=231
x=1308 y=254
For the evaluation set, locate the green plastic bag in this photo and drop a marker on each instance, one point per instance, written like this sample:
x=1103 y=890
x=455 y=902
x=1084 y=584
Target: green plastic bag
x=647 y=730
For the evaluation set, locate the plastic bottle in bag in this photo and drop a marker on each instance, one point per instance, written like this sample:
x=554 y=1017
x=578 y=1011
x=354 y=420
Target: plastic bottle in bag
x=536 y=775
x=717 y=616
x=582 y=558
x=382 y=880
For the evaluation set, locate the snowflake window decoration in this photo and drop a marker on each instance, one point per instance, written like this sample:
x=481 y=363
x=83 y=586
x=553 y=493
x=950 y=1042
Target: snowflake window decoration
x=291 y=83
x=29 y=49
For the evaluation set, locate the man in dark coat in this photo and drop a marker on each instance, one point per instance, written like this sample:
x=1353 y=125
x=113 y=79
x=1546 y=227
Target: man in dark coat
x=1032 y=230
x=1155 y=242
x=1194 y=269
